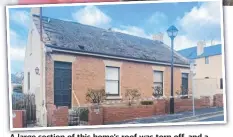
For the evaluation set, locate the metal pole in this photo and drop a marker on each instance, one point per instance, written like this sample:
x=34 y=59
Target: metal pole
x=193 y=74
x=172 y=62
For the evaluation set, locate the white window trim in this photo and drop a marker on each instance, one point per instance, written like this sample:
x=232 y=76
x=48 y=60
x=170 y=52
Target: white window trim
x=63 y=58
x=158 y=68
x=110 y=63
x=185 y=71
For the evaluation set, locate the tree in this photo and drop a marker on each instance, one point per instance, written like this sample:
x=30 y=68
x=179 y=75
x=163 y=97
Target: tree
x=131 y=94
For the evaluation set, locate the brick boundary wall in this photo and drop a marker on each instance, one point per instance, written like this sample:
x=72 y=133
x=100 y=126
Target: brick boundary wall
x=18 y=120
x=116 y=114
x=95 y=118
x=218 y=100
x=60 y=116
x=182 y=105
x=110 y=114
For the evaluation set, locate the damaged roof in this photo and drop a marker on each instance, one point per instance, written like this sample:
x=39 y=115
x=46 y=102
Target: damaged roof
x=73 y=36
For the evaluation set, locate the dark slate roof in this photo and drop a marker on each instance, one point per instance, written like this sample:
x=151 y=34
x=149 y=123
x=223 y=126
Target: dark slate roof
x=191 y=53
x=83 y=38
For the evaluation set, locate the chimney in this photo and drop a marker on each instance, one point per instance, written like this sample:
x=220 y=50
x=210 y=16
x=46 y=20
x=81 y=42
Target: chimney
x=35 y=10
x=200 y=47
x=158 y=37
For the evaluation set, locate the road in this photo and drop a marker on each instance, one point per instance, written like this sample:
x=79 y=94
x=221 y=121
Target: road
x=202 y=115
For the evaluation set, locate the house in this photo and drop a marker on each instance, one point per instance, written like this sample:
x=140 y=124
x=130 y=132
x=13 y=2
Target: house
x=208 y=68
x=74 y=57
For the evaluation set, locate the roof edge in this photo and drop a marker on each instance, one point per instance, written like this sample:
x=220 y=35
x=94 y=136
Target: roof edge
x=115 y=57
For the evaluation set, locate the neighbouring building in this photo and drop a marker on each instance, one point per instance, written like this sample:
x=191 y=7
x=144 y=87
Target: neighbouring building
x=76 y=57
x=208 y=66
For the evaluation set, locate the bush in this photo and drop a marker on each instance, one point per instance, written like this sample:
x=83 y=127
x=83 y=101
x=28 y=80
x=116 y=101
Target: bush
x=131 y=94
x=147 y=102
x=96 y=96
x=83 y=115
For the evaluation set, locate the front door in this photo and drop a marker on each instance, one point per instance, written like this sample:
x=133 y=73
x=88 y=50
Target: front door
x=62 y=83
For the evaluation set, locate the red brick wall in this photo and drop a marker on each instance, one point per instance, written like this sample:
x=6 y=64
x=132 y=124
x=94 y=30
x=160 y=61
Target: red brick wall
x=160 y=106
x=116 y=114
x=132 y=75
x=95 y=118
x=60 y=116
x=182 y=105
x=218 y=100
x=18 y=120
x=49 y=80
x=88 y=72
x=109 y=114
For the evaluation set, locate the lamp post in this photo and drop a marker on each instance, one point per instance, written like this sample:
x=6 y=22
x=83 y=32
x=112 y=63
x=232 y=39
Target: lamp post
x=172 y=32
x=193 y=85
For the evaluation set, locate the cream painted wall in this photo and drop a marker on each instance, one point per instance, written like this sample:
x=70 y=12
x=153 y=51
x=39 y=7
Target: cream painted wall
x=32 y=60
x=213 y=70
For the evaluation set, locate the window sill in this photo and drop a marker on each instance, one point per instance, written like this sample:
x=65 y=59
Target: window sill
x=114 y=98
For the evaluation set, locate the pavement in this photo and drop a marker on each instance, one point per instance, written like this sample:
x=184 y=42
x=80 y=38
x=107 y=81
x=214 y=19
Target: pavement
x=201 y=115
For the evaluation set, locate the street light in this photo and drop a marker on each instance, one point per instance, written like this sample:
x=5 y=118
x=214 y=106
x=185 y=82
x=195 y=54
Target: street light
x=172 y=32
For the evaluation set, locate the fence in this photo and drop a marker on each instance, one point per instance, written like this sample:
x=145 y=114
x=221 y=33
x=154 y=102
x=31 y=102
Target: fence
x=25 y=102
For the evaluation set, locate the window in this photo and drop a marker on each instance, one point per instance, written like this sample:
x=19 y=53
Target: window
x=221 y=83
x=158 y=83
x=112 y=81
x=206 y=60
x=185 y=82
x=28 y=80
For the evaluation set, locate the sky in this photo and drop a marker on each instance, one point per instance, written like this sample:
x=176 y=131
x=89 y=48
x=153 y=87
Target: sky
x=195 y=21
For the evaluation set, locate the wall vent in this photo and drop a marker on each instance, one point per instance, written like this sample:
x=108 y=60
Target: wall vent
x=81 y=47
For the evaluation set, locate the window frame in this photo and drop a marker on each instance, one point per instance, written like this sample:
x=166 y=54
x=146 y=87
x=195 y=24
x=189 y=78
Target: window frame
x=29 y=80
x=182 y=93
x=162 y=82
x=221 y=83
x=118 y=81
x=207 y=60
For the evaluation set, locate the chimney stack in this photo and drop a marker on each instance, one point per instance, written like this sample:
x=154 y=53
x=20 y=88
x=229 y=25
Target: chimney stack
x=200 y=47
x=158 y=37
x=35 y=10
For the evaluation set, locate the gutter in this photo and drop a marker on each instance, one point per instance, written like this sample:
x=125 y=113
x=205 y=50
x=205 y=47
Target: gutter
x=114 y=57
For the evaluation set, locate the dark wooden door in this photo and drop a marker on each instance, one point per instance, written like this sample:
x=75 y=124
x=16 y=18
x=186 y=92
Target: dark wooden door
x=62 y=83
x=185 y=83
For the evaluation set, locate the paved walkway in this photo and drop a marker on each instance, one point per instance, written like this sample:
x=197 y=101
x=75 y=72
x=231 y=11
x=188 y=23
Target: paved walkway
x=207 y=114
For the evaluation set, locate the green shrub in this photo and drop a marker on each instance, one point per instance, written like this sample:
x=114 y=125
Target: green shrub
x=147 y=102
x=84 y=115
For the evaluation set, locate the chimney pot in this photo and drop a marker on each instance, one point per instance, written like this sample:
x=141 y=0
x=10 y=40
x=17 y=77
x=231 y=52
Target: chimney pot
x=35 y=10
x=158 y=37
x=200 y=47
